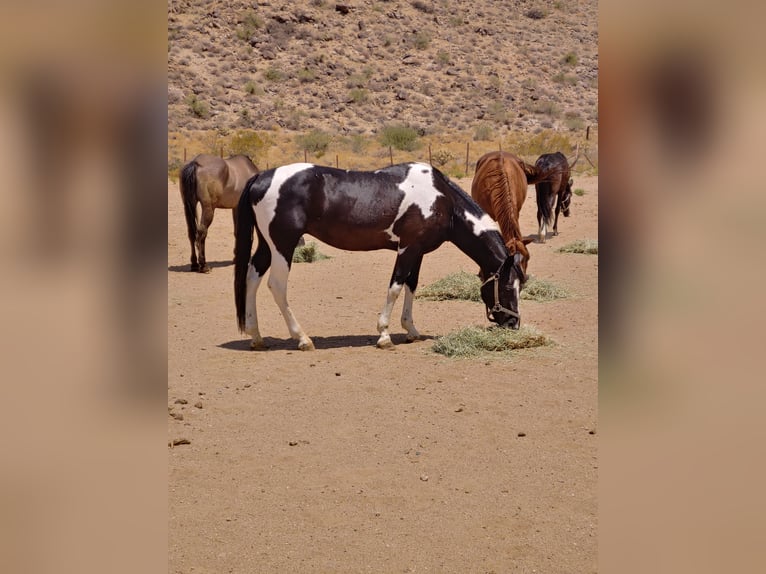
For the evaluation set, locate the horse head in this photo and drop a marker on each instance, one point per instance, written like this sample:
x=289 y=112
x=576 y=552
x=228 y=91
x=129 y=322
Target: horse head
x=501 y=290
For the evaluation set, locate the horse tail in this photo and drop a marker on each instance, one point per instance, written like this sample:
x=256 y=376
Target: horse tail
x=188 y=184
x=535 y=173
x=243 y=246
x=543 y=191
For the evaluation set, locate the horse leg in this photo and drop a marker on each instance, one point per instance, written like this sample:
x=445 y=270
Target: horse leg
x=402 y=268
x=205 y=221
x=409 y=293
x=278 y=285
x=542 y=229
x=259 y=264
x=556 y=220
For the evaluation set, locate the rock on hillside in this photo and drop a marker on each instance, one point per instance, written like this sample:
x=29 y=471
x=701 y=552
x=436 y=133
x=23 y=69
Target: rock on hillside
x=353 y=66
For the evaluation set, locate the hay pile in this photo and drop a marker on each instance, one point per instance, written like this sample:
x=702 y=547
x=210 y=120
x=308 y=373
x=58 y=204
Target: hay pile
x=587 y=246
x=466 y=286
x=478 y=341
x=308 y=253
x=460 y=285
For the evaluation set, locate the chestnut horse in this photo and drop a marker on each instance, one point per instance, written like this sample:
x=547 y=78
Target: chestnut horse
x=556 y=188
x=214 y=183
x=500 y=187
x=410 y=208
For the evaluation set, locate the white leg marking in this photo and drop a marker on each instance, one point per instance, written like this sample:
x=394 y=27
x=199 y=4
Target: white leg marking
x=251 y=313
x=278 y=285
x=384 y=341
x=407 y=321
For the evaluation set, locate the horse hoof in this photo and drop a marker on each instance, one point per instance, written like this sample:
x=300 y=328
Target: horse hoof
x=204 y=269
x=258 y=345
x=413 y=338
x=385 y=344
x=306 y=346
x=195 y=266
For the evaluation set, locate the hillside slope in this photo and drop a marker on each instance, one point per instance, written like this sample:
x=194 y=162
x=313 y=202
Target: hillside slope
x=351 y=67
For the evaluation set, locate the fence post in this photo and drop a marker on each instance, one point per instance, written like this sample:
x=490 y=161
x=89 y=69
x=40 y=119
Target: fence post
x=391 y=154
x=221 y=152
x=467 y=148
x=305 y=156
x=336 y=161
x=184 y=155
x=430 y=161
x=587 y=133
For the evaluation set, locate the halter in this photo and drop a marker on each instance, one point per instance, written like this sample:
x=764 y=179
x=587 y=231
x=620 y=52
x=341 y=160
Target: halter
x=497 y=306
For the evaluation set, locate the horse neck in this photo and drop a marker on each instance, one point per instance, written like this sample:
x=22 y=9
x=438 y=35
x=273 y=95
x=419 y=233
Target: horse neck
x=507 y=206
x=487 y=249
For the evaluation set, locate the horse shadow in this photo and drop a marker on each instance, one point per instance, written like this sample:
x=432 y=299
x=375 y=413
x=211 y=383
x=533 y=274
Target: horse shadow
x=187 y=267
x=332 y=342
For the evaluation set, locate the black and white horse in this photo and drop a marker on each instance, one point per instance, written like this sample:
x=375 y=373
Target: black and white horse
x=410 y=208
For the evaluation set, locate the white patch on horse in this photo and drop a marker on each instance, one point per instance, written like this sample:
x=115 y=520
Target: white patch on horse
x=516 y=285
x=266 y=208
x=486 y=223
x=419 y=190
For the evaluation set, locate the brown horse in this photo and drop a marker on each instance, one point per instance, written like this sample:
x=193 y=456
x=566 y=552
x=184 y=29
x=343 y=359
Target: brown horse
x=500 y=188
x=214 y=183
x=557 y=188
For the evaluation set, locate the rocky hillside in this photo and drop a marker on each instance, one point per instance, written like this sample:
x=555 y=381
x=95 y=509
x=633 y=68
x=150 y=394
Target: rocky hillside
x=440 y=66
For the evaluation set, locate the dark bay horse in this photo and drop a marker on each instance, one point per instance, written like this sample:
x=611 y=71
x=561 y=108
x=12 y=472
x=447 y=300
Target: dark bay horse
x=556 y=188
x=214 y=183
x=500 y=187
x=411 y=208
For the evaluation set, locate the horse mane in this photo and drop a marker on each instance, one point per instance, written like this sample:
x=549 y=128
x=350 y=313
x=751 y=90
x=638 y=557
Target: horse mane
x=504 y=204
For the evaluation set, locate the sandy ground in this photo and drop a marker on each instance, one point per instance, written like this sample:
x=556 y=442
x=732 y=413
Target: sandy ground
x=354 y=459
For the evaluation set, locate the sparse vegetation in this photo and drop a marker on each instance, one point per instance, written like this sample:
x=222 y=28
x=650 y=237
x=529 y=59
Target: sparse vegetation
x=460 y=285
x=442 y=157
x=273 y=74
x=198 y=107
x=308 y=253
x=542 y=290
x=249 y=143
x=570 y=59
x=579 y=192
x=251 y=22
x=399 y=137
x=479 y=341
x=586 y=246
x=315 y=142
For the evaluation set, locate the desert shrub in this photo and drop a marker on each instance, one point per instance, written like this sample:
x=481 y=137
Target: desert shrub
x=570 y=59
x=315 y=142
x=198 y=107
x=535 y=13
x=308 y=253
x=442 y=157
x=252 y=88
x=358 y=95
x=534 y=145
x=399 y=137
x=250 y=23
x=249 y=143
x=579 y=192
x=273 y=74
x=477 y=341
x=482 y=133
x=422 y=40
x=423 y=6
x=306 y=75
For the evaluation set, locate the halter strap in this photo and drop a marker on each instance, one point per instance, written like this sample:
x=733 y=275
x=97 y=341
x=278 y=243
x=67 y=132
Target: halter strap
x=497 y=306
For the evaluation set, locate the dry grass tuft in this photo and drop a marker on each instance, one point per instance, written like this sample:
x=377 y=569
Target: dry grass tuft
x=541 y=290
x=587 y=246
x=477 y=341
x=460 y=285
x=465 y=286
x=308 y=253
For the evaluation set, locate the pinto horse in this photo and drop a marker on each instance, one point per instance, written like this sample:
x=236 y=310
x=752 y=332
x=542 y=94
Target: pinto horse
x=214 y=183
x=557 y=187
x=411 y=208
x=500 y=187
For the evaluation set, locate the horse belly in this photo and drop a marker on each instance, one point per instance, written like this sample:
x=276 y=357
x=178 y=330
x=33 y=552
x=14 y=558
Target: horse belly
x=351 y=238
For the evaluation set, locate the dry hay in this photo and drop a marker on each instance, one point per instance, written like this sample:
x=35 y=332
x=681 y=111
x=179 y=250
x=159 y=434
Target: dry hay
x=478 y=341
x=460 y=285
x=587 y=246
x=466 y=286
x=308 y=253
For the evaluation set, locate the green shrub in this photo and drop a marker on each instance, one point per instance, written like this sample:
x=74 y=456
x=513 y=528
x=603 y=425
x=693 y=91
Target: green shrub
x=249 y=143
x=482 y=133
x=358 y=95
x=399 y=137
x=570 y=59
x=273 y=74
x=315 y=142
x=579 y=192
x=250 y=23
x=198 y=107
